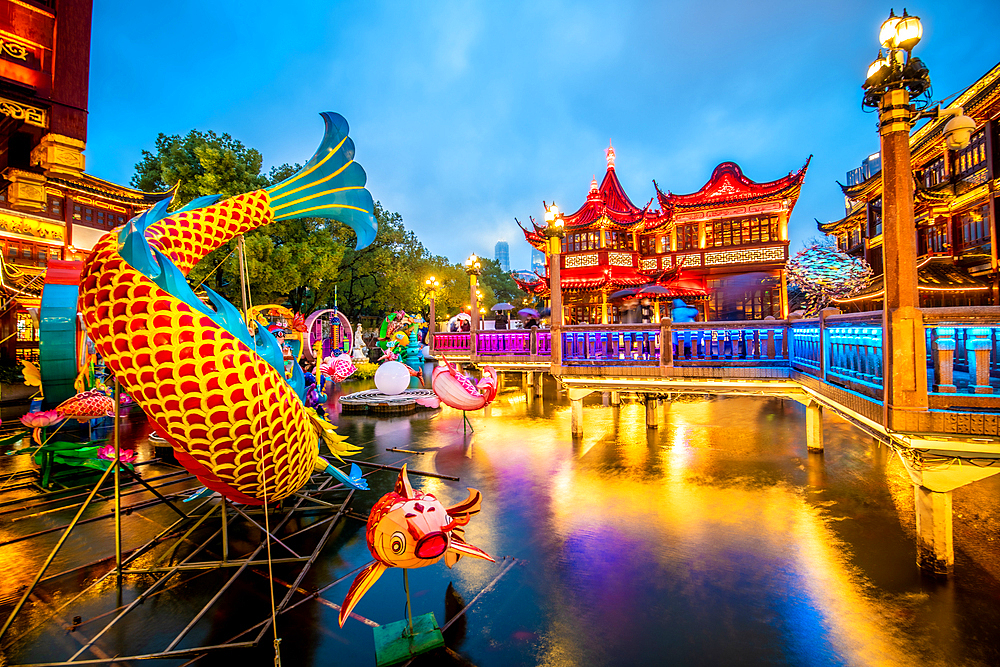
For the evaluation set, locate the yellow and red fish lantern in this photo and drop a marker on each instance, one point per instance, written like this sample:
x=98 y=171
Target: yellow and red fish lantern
x=458 y=390
x=89 y=405
x=409 y=528
x=214 y=390
x=339 y=368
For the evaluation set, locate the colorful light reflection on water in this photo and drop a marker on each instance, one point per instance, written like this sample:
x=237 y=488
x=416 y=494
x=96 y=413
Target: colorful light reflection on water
x=715 y=539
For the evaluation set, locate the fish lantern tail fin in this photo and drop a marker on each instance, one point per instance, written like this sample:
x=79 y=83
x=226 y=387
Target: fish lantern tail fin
x=330 y=185
x=463 y=512
x=365 y=579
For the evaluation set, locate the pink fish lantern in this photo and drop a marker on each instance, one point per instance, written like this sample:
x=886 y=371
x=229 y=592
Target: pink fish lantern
x=40 y=420
x=460 y=392
x=408 y=528
x=339 y=368
x=88 y=405
x=107 y=453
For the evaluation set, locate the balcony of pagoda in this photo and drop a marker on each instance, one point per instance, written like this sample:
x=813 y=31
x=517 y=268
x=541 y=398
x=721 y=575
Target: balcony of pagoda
x=771 y=254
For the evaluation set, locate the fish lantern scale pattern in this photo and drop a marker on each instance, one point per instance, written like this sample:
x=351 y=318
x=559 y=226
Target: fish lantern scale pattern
x=824 y=273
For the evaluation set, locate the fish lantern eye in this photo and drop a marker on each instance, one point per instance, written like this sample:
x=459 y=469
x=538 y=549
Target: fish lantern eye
x=397 y=543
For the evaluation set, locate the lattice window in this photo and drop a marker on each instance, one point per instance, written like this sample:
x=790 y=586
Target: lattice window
x=689 y=260
x=576 y=261
x=666 y=262
x=748 y=256
x=619 y=259
x=647 y=264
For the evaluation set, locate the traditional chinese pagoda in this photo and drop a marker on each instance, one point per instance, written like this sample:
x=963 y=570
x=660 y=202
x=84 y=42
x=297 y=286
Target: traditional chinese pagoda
x=721 y=249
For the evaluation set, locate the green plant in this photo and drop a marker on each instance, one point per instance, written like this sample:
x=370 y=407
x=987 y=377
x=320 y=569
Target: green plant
x=10 y=371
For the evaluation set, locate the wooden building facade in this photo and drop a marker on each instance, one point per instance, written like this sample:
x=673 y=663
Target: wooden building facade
x=723 y=248
x=955 y=210
x=49 y=207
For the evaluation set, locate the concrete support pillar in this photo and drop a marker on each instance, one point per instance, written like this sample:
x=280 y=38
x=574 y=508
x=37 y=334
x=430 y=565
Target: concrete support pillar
x=538 y=384
x=935 y=550
x=606 y=398
x=652 y=420
x=528 y=381
x=814 y=427
x=576 y=417
x=616 y=398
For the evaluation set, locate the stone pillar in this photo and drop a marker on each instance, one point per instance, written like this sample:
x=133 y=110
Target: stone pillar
x=905 y=349
x=616 y=398
x=935 y=550
x=978 y=348
x=814 y=427
x=576 y=417
x=529 y=382
x=431 y=325
x=606 y=398
x=944 y=361
x=651 y=413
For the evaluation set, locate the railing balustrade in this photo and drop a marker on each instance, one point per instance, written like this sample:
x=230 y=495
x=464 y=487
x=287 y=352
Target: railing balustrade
x=515 y=342
x=752 y=342
x=805 y=347
x=611 y=344
x=853 y=345
x=452 y=342
x=963 y=350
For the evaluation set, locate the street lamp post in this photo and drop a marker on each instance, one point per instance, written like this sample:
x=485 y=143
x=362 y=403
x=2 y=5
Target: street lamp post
x=554 y=232
x=895 y=82
x=473 y=267
x=432 y=287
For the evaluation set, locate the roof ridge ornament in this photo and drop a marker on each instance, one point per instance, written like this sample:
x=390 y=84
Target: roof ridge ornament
x=610 y=153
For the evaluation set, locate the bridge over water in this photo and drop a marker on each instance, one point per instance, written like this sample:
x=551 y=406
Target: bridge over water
x=835 y=362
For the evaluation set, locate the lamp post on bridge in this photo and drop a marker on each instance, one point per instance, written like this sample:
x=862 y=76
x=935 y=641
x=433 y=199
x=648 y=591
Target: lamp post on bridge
x=554 y=231
x=473 y=267
x=898 y=86
x=432 y=285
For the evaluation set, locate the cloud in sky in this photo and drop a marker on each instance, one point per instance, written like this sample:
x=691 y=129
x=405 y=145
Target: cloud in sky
x=467 y=114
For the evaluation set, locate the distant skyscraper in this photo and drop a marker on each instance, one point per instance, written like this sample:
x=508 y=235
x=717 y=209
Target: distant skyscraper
x=538 y=261
x=501 y=253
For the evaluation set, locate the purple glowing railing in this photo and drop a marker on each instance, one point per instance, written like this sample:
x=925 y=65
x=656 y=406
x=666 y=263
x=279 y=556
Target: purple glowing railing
x=453 y=343
x=503 y=343
x=611 y=345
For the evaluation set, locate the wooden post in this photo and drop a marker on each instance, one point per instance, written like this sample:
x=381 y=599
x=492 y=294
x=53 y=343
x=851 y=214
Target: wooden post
x=666 y=344
x=814 y=427
x=935 y=550
x=651 y=416
x=576 y=417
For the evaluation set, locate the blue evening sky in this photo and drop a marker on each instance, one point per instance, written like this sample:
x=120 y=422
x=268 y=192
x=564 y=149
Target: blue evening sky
x=469 y=114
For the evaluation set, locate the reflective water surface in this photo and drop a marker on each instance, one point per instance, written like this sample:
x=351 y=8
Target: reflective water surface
x=713 y=540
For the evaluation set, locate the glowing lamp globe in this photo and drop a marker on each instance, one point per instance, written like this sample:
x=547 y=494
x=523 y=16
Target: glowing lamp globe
x=392 y=378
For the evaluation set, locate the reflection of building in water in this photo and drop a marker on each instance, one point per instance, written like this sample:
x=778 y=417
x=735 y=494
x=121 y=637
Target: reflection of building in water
x=723 y=248
x=50 y=209
x=954 y=210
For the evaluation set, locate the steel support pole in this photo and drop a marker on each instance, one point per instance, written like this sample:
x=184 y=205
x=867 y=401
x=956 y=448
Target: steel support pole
x=118 y=490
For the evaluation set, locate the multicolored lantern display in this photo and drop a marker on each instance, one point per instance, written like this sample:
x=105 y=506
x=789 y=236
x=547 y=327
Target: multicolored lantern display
x=824 y=273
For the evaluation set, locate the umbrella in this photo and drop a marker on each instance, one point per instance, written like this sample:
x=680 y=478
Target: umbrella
x=503 y=305
x=655 y=290
x=623 y=293
x=528 y=312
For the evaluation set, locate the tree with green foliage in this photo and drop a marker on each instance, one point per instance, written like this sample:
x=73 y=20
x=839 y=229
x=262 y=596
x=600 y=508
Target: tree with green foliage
x=300 y=263
x=501 y=283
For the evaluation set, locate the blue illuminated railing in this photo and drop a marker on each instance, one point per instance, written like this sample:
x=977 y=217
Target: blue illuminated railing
x=855 y=355
x=805 y=348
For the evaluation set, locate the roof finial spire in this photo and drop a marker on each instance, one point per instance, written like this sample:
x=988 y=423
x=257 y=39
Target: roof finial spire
x=611 y=155
x=593 y=183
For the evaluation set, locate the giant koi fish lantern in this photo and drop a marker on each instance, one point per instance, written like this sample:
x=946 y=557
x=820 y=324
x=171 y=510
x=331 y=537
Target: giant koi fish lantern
x=407 y=529
x=459 y=391
x=215 y=390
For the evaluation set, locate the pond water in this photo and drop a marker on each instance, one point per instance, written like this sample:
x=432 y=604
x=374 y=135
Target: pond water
x=713 y=540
